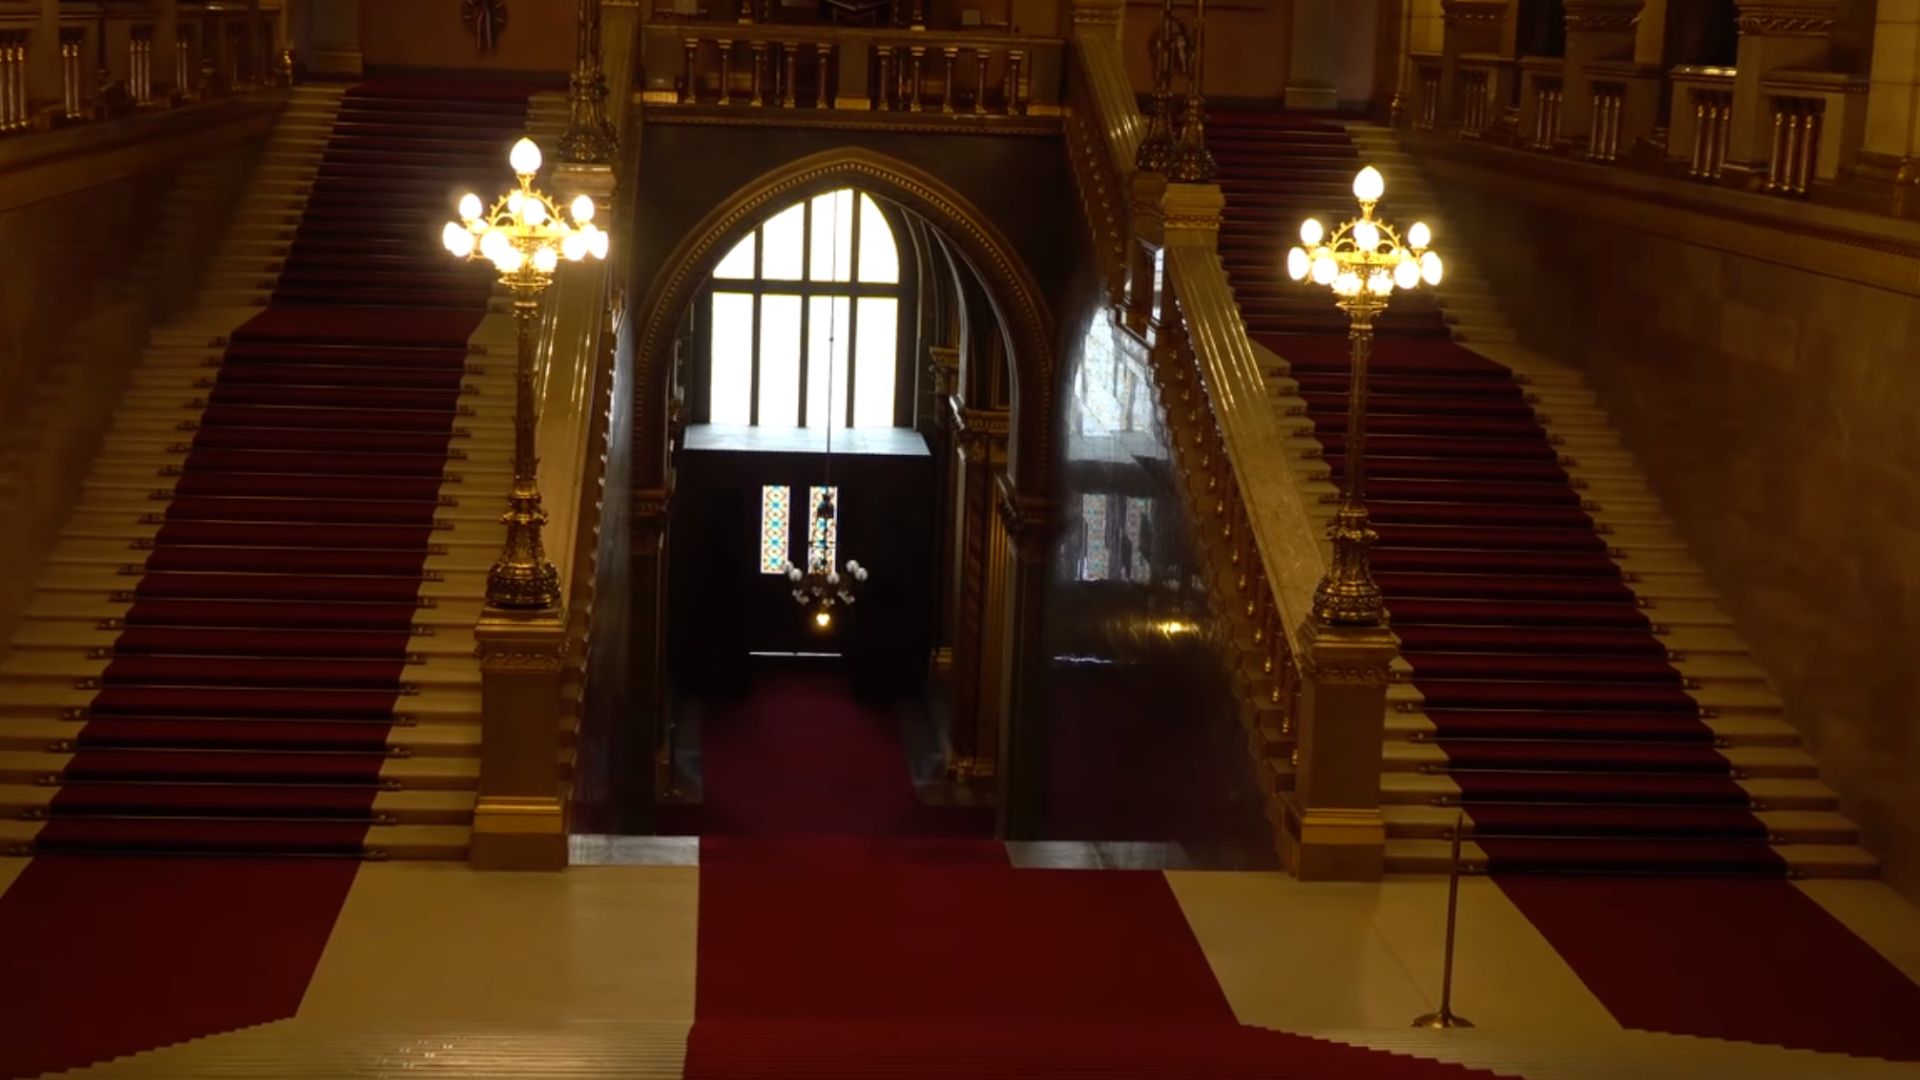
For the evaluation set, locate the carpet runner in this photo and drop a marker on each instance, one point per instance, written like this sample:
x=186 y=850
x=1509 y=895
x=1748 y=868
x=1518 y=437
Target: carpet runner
x=247 y=703
x=1576 y=746
x=843 y=933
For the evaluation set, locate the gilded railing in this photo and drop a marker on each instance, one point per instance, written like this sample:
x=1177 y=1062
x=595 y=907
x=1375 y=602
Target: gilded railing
x=945 y=73
x=67 y=62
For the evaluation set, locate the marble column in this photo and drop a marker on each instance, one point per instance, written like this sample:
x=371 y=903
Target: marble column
x=1597 y=31
x=1469 y=26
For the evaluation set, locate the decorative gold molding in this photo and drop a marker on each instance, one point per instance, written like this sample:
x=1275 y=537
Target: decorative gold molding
x=1602 y=16
x=1785 y=19
x=1473 y=12
x=1017 y=296
x=841 y=118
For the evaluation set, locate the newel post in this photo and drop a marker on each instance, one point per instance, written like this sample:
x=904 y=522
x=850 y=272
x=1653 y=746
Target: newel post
x=1332 y=828
x=520 y=822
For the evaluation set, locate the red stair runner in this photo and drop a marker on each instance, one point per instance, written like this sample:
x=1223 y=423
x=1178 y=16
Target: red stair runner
x=1575 y=745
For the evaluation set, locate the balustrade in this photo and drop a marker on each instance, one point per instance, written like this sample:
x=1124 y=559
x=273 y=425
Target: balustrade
x=1426 y=78
x=140 y=65
x=1545 y=132
x=1476 y=92
x=14 y=113
x=1795 y=145
x=1609 y=105
x=73 y=73
x=772 y=66
x=1712 y=121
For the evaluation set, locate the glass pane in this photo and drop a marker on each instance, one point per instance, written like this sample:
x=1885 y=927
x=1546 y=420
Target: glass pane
x=1138 y=511
x=785 y=237
x=832 y=237
x=730 y=393
x=738 y=265
x=774 y=511
x=1093 y=550
x=827 y=319
x=779 y=360
x=873 y=361
x=879 y=259
x=823 y=537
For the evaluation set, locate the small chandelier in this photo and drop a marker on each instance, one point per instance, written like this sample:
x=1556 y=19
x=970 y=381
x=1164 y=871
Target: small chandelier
x=820 y=586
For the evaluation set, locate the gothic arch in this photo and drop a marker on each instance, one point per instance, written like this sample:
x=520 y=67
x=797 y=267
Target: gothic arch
x=1016 y=298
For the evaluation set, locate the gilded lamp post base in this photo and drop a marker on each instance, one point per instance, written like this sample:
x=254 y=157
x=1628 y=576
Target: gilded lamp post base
x=523 y=578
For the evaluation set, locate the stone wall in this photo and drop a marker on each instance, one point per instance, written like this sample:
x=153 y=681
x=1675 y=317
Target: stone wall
x=1777 y=411
x=104 y=240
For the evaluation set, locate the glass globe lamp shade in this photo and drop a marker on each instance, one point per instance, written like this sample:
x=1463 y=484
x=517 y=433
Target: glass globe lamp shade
x=582 y=209
x=1324 y=270
x=457 y=239
x=1369 y=185
x=1419 y=236
x=470 y=207
x=1380 y=283
x=494 y=245
x=533 y=211
x=1347 y=284
x=597 y=243
x=574 y=247
x=545 y=260
x=1366 y=236
x=1406 y=274
x=510 y=261
x=525 y=157
x=1311 y=231
x=1298 y=264
x=1430 y=268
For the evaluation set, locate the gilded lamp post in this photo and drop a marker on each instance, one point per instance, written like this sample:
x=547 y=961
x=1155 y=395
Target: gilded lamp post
x=1363 y=262
x=524 y=236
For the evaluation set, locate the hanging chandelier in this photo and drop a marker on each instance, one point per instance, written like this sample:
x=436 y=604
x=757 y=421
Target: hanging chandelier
x=819 y=586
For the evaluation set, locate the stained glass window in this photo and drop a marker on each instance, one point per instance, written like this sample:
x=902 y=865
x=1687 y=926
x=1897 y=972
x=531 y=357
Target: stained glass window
x=775 y=519
x=823 y=536
x=805 y=314
x=1094 y=560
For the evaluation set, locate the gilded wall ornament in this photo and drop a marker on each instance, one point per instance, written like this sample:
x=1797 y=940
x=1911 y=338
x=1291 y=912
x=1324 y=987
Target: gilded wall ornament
x=484 y=19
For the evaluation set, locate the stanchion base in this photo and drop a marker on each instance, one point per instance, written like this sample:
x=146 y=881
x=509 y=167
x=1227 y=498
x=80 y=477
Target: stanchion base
x=1442 y=1019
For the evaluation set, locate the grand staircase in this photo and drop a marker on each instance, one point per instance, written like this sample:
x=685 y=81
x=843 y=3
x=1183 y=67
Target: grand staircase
x=1569 y=680
x=255 y=635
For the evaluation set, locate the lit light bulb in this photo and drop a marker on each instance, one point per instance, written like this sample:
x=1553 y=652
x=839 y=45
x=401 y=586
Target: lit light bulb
x=1347 y=284
x=533 y=211
x=1407 y=273
x=833 y=577
x=545 y=260
x=1324 y=270
x=1430 y=268
x=455 y=235
x=1366 y=236
x=1369 y=185
x=574 y=247
x=1311 y=231
x=525 y=157
x=510 y=261
x=823 y=618
x=515 y=201
x=1419 y=236
x=1299 y=264
x=583 y=209
x=494 y=245
x=470 y=206
x=597 y=243
x=1380 y=283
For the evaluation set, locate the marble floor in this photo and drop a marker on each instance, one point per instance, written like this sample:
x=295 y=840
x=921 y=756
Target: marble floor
x=591 y=973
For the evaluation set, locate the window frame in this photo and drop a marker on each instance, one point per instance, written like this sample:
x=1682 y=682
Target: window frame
x=905 y=293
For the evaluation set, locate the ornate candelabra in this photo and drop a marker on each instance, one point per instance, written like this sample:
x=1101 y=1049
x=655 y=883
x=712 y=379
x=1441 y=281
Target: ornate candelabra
x=524 y=236
x=1171 y=48
x=820 y=585
x=590 y=137
x=1192 y=161
x=1363 y=262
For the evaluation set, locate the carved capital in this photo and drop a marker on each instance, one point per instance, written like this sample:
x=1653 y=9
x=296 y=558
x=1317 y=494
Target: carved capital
x=943 y=365
x=1354 y=656
x=1793 y=18
x=1602 y=16
x=981 y=433
x=1191 y=209
x=1024 y=515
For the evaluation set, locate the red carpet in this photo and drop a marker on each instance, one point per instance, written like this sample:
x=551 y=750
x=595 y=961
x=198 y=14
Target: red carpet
x=1575 y=745
x=246 y=707
x=842 y=935
x=113 y=956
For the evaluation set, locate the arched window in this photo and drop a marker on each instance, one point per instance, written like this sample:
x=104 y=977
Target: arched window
x=804 y=320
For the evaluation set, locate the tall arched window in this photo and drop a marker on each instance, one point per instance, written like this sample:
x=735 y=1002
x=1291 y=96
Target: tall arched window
x=805 y=316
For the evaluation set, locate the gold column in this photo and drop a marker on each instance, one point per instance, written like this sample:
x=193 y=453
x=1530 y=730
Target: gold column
x=980 y=458
x=590 y=136
x=520 y=821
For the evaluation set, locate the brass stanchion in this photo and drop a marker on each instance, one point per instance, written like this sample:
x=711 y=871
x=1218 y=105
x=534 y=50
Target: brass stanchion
x=1445 y=1018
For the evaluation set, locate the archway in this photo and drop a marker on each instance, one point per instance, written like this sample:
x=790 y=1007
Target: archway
x=1005 y=304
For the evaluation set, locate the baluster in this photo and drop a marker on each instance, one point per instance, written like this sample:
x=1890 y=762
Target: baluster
x=1809 y=148
x=789 y=88
x=759 y=61
x=1776 y=153
x=1697 y=165
x=8 y=91
x=1016 y=82
x=70 y=74
x=952 y=54
x=915 y=56
x=726 y=71
x=980 y=82
x=823 y=98
x=689 y=56
x=886 y=80
x=183 y=65
x=1722 y=125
